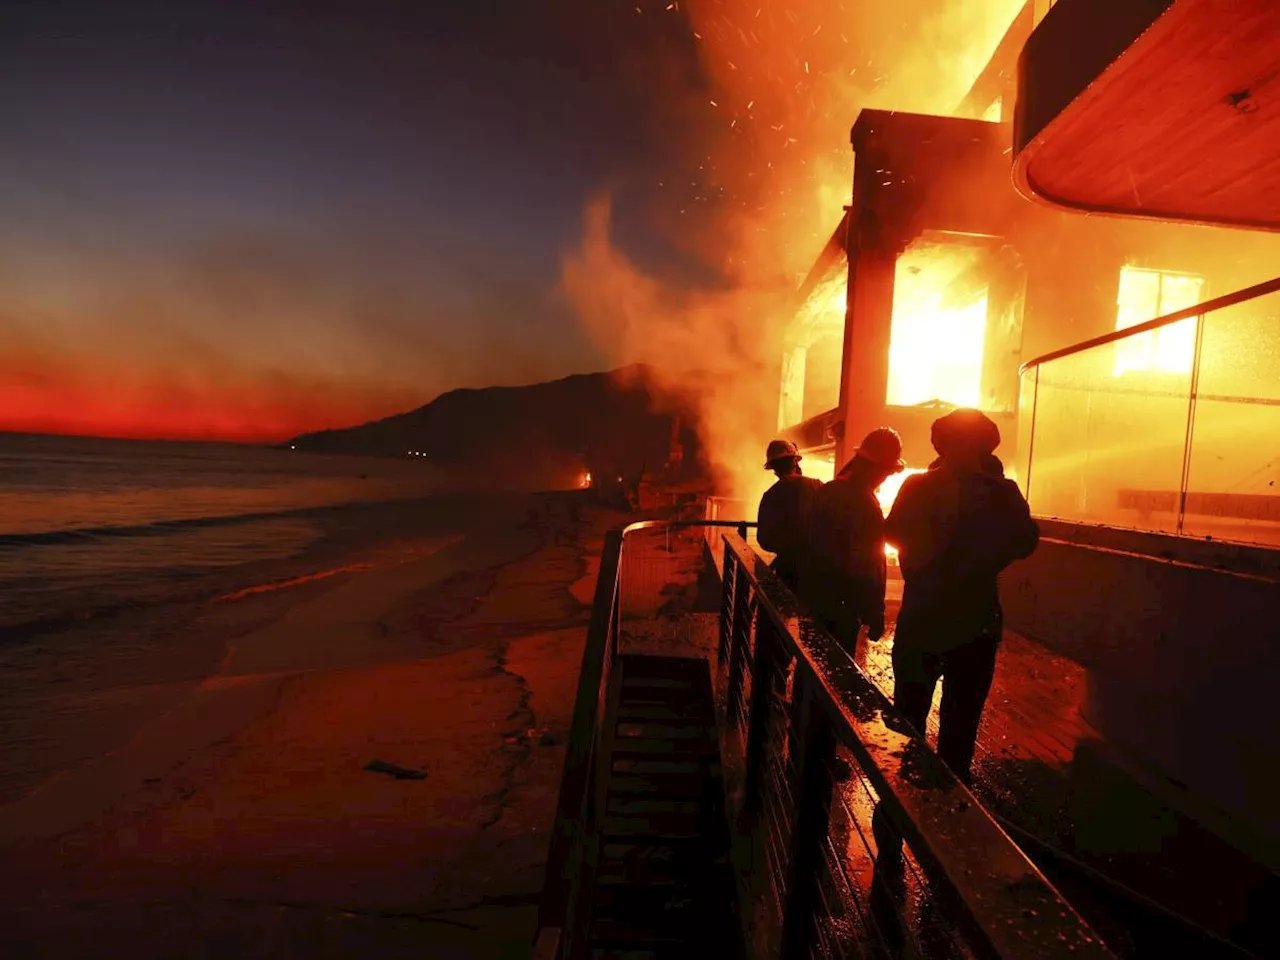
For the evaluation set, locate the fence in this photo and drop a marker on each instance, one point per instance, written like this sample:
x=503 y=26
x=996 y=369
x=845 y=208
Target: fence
x=1170 y=426
x=851 y=837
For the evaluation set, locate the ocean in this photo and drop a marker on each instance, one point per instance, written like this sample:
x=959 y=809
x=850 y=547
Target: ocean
x=131 y=571
x=93 y=527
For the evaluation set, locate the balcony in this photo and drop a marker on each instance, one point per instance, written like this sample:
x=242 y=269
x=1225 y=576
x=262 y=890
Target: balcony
x=1165 y=109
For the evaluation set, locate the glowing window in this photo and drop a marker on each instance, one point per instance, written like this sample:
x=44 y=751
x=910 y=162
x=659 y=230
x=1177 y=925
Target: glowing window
x=1145 y=295
x=939 y=325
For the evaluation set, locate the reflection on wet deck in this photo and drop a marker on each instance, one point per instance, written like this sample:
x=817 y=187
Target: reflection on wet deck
x=1071 y=800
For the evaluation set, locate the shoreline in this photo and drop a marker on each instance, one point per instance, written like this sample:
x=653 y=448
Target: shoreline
x=253 y=796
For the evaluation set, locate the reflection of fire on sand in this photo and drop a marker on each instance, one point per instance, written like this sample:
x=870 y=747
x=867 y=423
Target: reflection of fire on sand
x=375 y=770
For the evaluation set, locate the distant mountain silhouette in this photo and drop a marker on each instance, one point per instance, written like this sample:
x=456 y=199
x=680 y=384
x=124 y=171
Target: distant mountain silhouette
x=544 y=434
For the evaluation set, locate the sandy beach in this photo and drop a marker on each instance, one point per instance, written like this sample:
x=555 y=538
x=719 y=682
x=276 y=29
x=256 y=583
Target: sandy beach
x=235 y=813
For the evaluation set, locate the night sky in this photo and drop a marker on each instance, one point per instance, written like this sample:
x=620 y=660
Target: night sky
x=222 y=219
x=247 y=220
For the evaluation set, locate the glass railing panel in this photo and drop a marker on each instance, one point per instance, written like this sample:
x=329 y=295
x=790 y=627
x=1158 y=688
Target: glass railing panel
x=1109 y=438
x=1026 y=422
x=1233 y=477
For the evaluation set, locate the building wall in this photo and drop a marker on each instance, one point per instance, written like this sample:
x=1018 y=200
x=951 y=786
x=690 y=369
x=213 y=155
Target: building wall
x=1182 y=646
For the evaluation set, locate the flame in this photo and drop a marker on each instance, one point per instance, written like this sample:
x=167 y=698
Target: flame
x=823 y=469
x=888 y=491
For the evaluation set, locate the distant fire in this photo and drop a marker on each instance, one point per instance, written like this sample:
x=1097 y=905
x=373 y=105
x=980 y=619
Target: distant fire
x=586 y=480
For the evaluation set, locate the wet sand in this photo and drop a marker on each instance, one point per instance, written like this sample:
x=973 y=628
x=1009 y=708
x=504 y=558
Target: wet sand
x=240 y=818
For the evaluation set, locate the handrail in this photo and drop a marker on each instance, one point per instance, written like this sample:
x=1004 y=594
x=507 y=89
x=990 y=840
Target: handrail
x=1080 y=453
x=1010 y=907
x=1199 y=309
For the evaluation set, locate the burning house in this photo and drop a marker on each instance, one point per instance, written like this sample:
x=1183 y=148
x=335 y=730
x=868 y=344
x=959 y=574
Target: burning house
x=1150 y=457
x=941 y=279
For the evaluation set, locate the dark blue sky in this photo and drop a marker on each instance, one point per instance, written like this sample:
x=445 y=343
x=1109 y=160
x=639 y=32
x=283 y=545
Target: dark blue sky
x=364 y=202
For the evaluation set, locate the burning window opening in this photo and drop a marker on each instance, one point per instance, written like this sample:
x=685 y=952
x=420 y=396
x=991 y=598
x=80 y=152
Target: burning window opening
x=1143 y=295
x=811 y=364
x=938 y=332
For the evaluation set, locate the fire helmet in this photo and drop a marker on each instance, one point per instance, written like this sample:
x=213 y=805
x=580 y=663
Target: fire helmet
x=780 y=450
x=965 y=431
x=883 y=447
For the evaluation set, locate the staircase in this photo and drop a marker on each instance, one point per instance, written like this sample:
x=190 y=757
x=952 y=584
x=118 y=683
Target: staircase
x=664 y=887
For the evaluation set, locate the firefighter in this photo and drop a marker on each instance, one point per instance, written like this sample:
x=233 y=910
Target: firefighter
x=844 y=581
x=956 y=527
x=784 y=511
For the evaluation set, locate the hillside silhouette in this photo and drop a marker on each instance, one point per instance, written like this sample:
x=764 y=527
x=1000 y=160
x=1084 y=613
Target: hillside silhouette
x=543 y=435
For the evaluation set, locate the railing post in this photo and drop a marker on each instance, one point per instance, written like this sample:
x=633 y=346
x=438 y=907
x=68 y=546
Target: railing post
x=739 y=645
x=817 y=746
x=614 y=620
x=765 y=672
x=1031 y=440
x=1193 y=394
x=726 y=606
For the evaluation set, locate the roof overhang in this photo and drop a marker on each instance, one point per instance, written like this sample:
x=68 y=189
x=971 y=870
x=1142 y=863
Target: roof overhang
x=1166 y=109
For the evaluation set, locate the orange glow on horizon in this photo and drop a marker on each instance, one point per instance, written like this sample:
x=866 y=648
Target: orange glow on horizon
x=110 y=404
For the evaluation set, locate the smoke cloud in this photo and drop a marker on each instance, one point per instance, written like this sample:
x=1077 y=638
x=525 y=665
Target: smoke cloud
x=781 y=87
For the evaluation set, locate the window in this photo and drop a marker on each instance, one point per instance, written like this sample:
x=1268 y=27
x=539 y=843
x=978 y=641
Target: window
x=939 y=324
x=1144 y=295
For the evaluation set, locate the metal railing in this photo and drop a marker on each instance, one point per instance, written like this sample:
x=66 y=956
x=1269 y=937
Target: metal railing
x=857 y=840
x=1169 y=426
x=851 y=838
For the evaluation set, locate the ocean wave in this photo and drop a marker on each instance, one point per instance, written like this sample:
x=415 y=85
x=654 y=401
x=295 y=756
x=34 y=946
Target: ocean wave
x=78 y=535
x=27 y=625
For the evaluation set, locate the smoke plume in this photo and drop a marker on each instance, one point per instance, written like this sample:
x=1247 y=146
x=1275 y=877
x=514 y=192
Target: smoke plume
x=780 y=88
